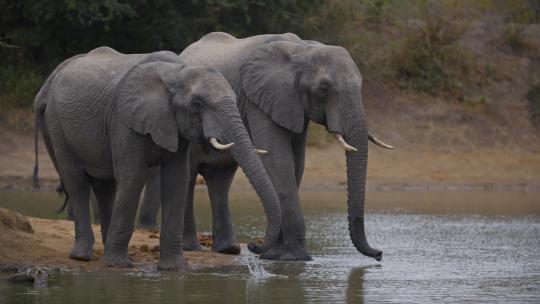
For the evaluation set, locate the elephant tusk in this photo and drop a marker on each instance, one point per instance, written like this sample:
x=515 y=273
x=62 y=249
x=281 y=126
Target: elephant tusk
x=379 y=143
x=215 y=143
x=258 y=151
x=344 y=144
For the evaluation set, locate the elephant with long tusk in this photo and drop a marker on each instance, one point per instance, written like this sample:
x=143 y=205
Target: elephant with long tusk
x=371 y=138
x=282 y=83
x=106 y=117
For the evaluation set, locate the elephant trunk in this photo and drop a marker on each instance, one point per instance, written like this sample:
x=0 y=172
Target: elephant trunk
x=245 y=155
x=353 y=122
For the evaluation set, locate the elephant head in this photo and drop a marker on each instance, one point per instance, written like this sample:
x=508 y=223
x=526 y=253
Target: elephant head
x=295 y=81
x=171 y=100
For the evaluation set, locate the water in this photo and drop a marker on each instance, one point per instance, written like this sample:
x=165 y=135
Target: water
x=438 y=247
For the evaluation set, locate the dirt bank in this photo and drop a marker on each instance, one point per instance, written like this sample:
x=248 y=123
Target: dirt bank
x=480 y=135
x=28 y=241
x=410 y=167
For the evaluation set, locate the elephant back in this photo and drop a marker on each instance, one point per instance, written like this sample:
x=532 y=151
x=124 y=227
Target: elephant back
x=227 y=53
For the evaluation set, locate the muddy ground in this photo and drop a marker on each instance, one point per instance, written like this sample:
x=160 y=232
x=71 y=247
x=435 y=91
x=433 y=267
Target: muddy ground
x=28 y=241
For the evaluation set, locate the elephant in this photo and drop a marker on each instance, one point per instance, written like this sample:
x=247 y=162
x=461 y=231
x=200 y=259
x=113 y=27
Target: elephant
x=282 y=83
x=105 y=117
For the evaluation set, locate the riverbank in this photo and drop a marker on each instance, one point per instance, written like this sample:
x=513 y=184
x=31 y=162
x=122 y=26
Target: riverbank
x=28 y=241
x=421 y=167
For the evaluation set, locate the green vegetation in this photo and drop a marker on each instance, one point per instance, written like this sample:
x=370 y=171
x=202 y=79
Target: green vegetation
x=428 y=57
x=35 y=36
x=408 y=44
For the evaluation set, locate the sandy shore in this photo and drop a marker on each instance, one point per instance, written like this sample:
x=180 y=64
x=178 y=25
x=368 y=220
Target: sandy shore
x=28 y=241
x=402 y=169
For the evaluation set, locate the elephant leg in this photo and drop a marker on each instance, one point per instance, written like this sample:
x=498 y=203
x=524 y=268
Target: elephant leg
x=130 y=174
x=219 y=182
x=174 y=187
x=104 y=194
x=281 y=166
x=69 y=215
x=94 y=207
x=299 y=150
x=152 y=199
x=77 y=188
x=191 y=241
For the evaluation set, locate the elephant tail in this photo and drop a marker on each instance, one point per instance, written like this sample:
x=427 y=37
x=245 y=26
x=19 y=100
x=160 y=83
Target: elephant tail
x=61 y=190
x=38 y=113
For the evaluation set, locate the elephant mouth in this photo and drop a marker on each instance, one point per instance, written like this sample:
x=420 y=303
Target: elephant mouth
x=318 y=117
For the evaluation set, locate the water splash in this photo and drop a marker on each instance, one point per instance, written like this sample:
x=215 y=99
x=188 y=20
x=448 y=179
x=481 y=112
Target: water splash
x=256 y=270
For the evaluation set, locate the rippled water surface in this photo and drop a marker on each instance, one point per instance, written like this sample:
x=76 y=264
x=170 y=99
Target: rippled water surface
x=438 y=247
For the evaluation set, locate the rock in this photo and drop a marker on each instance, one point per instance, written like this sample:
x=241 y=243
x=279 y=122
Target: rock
x=144 y=248
x=36 y=275
x=13 y=220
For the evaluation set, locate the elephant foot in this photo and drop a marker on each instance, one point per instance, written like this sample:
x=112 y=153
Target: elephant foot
x=176 y=263
x=226 y=247
x=82 y=251
x=119 y=261
x=281 y=253
x=296 y=255
x=149 y=226
x=191 y=243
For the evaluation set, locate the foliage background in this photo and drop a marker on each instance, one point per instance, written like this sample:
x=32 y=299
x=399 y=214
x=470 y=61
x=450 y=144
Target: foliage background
x=408 y=45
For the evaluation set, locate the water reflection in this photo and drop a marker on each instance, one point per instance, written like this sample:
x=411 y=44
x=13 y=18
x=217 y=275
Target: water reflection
x=285 y=287
x=355 y=286
x=428 y=257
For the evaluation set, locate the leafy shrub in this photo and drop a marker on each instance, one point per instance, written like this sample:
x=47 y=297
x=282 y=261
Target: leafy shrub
x=18 y=86
x=428 y=58
x=520 y=11
x=514 y=38
x=374 y=11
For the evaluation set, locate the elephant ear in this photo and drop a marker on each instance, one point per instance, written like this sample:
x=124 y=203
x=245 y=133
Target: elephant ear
x=269 y=82
x=144 y=102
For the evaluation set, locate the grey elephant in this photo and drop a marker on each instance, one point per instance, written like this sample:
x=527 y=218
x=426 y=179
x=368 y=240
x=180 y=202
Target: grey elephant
x=106 y=117
x=282 y=83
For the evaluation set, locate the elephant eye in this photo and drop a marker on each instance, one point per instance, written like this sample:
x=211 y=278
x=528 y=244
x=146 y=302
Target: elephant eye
x=197 y=103
x=322 y=90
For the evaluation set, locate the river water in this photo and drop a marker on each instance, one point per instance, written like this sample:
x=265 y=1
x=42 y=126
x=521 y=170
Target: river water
x=438 y=247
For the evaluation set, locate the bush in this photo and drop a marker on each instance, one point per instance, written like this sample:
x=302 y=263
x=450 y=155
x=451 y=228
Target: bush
x=520 y=11
x=18 y=86
x=428 y=57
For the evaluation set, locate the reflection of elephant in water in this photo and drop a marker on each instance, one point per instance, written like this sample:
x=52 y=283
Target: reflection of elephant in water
x=282 y=83
x=106 y=117
x=355 y=286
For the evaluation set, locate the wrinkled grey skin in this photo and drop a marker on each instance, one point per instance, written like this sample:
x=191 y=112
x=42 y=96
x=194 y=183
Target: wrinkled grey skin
x=106 y=117
x=282 y=83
